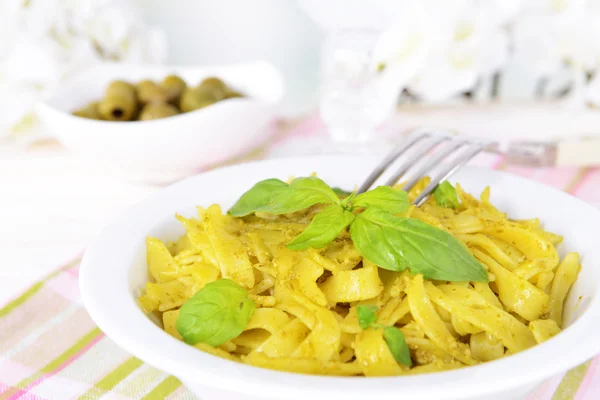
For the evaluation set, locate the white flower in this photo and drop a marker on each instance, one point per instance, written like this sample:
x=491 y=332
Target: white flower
x=592 y=95
x=402 y=50
x=460 y=54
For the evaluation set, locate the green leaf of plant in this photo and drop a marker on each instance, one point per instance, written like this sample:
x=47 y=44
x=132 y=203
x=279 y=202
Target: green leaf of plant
x=340 y=192
x=397 y=243
x=394 y=201
x=301 y=193
x=445 y=195
x=215 y=314
x=397 y=344
x=346 y=202
x=323 y=229
x=257 y=197
x=366 y=316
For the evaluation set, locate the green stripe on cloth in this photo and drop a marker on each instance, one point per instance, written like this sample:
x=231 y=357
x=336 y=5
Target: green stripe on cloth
x=60 y=360
x=163 y=389
x=34 y=289
x=112 y=379
x=21 y=299
x=570 y=383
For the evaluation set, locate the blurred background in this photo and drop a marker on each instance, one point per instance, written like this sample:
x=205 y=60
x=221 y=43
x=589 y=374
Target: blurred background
x=316 y=77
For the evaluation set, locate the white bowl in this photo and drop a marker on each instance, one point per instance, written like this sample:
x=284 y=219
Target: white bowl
x=167 y=149
x=113 y=273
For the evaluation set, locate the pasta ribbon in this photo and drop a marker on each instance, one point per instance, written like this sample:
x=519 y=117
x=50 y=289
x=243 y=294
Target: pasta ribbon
x=544 y=329
x=566 y=274
x=374 y=356
x=307 y=273
x=527 y=240
x=517 y=294
x=486 y=347
x=513 y=334
x=169 y=320
x=354 y=285
x=229 y=251
x=490 y=247
x=430 y=322
x=284 y=342
x=161 y=265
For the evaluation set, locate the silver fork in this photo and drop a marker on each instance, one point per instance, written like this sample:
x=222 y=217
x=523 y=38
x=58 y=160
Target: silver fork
x=458 y=151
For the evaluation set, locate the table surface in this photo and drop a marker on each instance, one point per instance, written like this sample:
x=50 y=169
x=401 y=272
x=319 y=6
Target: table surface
x=52 y=205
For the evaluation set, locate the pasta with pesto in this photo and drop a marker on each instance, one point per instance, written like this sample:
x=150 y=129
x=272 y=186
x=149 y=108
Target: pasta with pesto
x=304 y=310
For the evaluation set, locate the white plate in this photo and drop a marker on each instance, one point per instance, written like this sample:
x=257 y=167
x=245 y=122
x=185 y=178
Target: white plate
x=113 y=273
x=167 y=149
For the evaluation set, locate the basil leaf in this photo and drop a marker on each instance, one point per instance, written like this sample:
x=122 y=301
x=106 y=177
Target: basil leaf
x=215 y=314
x=397 y=344
x=346 y=202
x=323 y=229
x=366 y=316
x=445 y=195
x=257 y=197
x=371 y=242
x=301 y=193
x=394 y=201
x=396 y=243
x=340 y=192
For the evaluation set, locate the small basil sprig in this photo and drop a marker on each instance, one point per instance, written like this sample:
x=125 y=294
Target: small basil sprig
x=394 y=338
x=390 y=241
x=445 y=195
x=215 y=314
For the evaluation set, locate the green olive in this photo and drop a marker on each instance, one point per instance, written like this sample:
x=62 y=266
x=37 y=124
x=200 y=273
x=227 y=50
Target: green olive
x=119 y=102
x=90 y=111
x=148 y=91
x=231 y=93
x=157 y=110
x=174 y=87
x=194 y=99
x=214 y=86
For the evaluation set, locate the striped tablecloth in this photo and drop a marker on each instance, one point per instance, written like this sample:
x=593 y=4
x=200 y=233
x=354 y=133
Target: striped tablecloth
x=51 y=349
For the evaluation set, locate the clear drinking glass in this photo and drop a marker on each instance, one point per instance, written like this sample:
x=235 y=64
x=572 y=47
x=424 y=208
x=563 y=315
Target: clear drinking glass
x=354 y=96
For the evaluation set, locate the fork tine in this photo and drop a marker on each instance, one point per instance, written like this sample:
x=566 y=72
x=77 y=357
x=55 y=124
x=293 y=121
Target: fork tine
x=388 y=160
x=409 y=162
x=441 y=154
x=448 y=171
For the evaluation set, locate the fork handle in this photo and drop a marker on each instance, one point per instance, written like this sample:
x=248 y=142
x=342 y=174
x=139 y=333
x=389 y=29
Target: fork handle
x=580 y=153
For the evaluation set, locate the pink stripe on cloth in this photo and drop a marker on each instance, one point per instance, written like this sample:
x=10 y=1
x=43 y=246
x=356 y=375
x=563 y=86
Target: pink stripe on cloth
x=65 y=284
x=590 y=386
x=74 y=271
x=27 y=396
x=5 y=388
x=547 y=389
x=13 y=372
x=60 y=367
x=558 y=178
x=587 y=189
